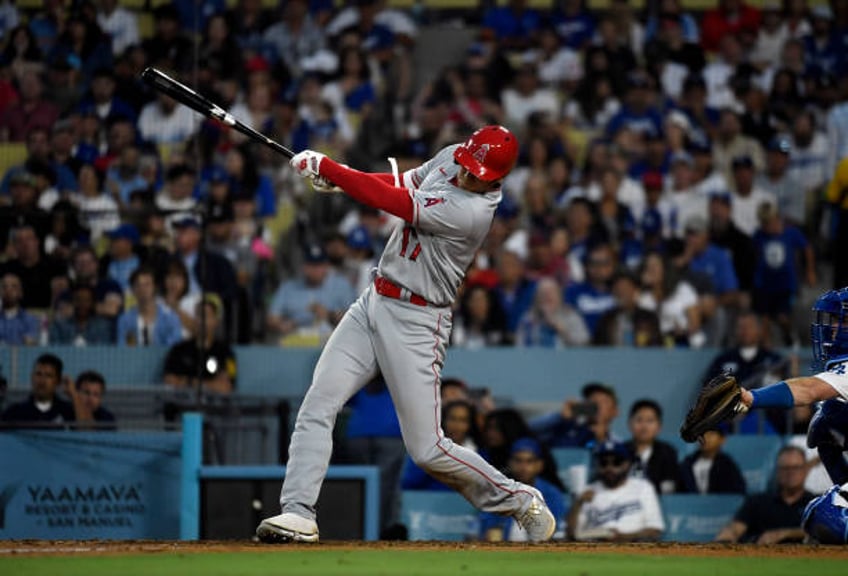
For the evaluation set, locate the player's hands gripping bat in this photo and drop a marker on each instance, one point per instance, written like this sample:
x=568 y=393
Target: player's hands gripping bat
x=718 y=401
x=308 y=165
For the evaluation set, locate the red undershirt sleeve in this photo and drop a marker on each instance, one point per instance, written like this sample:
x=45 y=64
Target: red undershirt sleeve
x=375 y=190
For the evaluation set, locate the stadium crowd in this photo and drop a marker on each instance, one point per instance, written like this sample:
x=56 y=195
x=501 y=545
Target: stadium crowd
x=681 y=183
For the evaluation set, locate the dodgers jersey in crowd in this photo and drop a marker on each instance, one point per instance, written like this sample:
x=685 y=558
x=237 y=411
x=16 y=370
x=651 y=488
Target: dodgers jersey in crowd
x=429 y=257
x=631 y=507
x=836 y=374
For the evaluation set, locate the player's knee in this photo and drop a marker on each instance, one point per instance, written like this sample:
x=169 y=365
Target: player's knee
x=829 y=425
x=427 y=458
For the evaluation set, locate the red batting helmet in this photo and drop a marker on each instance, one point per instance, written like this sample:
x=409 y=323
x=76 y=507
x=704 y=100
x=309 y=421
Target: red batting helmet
x=489 y=154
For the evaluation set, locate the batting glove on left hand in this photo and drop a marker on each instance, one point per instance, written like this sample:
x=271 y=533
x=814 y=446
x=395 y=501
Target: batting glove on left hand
x=321 y=184
x=307 y=163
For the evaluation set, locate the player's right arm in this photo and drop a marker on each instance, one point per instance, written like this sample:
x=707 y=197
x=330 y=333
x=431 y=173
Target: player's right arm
x=807 y=390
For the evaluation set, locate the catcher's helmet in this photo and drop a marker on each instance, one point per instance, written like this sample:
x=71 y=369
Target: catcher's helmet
x=826 y=517
x=489 y=154
x=829 y=330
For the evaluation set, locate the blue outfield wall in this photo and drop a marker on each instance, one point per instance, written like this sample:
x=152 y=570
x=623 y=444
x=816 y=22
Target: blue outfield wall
x=521 y=375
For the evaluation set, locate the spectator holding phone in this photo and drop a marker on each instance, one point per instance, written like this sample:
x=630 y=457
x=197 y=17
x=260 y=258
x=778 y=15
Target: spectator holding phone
x=583 y=422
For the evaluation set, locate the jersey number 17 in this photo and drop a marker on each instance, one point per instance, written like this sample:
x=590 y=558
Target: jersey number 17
x=409 y=231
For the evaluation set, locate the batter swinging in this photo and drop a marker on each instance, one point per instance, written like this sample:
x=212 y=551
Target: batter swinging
x=400 y=326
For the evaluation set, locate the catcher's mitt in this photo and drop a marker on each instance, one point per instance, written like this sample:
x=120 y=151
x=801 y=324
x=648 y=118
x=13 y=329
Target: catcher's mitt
x=718 y=401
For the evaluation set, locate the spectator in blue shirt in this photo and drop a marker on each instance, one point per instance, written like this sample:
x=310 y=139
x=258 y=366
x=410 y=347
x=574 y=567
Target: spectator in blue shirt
x=515 y=25
x=314 y=302
x=525 y=465
x=574 y=24
x=776 y=276
x=593 y=297
x=581 y=423
x=637 y=113
x=84 y=327
x=373 y=438
x=17 y=326
x=150 y=322
x=122 y=257
x=514 y=291
x=702 y=257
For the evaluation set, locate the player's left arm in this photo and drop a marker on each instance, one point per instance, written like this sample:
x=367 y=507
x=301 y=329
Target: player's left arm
x=805 y=390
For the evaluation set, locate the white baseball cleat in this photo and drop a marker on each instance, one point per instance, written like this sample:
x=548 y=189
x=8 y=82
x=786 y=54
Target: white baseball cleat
x=287 y=527
x=537 y=519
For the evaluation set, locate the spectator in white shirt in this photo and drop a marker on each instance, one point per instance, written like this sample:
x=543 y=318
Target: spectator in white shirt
x=616 y=507
x=119 y=23
x=526 y=96
x=164 y=122
x=747 y=198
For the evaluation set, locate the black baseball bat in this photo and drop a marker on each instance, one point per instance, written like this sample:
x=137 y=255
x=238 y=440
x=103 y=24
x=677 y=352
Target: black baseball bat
x=160 y=81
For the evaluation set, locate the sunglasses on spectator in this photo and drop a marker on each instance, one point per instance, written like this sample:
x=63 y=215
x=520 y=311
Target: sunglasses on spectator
x=610 y=461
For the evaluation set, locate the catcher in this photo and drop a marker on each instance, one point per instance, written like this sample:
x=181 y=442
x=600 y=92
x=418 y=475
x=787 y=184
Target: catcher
x=826 y=517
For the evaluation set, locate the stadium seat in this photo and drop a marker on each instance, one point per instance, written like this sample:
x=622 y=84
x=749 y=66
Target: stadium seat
x=11 y=154
x=697 y=517
x=573 y=465
x=432 y=515
x=755 y=456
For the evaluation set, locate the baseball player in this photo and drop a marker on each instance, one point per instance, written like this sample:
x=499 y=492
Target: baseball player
x=826 y=517
x=400 y=326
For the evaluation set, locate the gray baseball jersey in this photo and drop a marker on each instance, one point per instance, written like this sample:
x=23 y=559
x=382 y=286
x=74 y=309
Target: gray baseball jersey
x=430 y=255
x=406 y=342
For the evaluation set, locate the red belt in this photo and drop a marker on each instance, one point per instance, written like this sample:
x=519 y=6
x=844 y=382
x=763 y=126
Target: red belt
x=389 y=289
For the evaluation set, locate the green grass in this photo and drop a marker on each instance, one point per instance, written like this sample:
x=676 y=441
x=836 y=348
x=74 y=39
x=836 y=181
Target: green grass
x=414 y=563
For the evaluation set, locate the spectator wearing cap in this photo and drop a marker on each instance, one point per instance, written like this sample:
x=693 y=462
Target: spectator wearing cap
x=654 y=460
x=119 y=23
x=360 y=258
x=525 y=465
x=17 y=326
x=731 y=143
x=314 y=302
x=176 y=198
x=628 y=323
x=729 y=18
x=702 y=258
x=98 y=210
x=581 y=422
x=656 y=218
x=31 y=111
x=709 y=470
x=208 y=272
x=38 y=150
x=38 y=272
x=725 y=234
x=778 y=180
x=203 y=354
x=823 y=46
x=150 y=322
x=616 y=507
x=85 y=326
x=708 y=180
x=684 y=201
x=66 y=151
x=123 y=259
x=637 y=114
x=294 y=36
x=747 y=196
x=163 y=121
x=777 y=278
x=23 y=208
